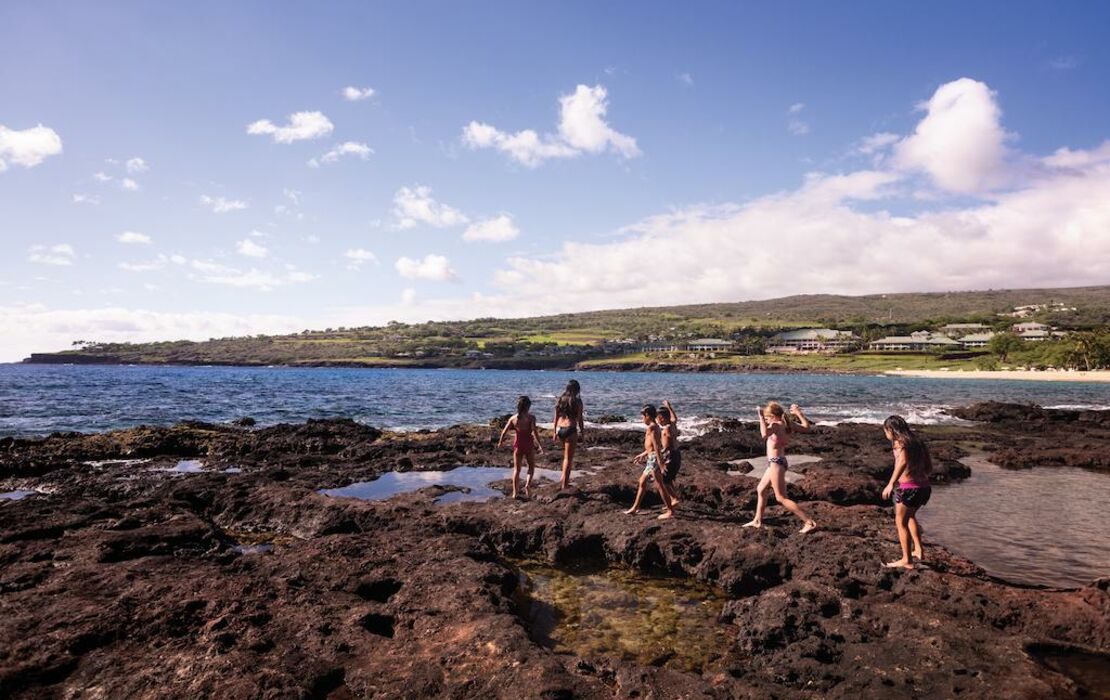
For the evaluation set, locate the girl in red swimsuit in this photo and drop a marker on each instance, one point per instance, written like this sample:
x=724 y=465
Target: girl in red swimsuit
x=526 y=440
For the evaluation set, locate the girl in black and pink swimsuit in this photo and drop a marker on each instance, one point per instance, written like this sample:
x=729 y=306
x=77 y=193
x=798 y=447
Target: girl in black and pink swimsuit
x=909 y=484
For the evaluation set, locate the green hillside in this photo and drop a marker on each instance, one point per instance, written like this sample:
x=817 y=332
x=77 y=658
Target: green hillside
x=566 y=339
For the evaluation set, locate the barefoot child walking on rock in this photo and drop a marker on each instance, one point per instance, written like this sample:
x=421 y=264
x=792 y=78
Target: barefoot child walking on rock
x=776 y=427
x=670 y=450
x=526 y=440
x=652 y=459
x=909 y=484
x=570 y=423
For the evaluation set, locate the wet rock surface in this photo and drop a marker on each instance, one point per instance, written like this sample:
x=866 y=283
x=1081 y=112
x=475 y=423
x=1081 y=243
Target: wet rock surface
x=119 y=578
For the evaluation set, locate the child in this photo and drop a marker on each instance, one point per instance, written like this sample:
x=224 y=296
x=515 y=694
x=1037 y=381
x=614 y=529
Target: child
x=526 y=440
x=569 y=426
x=776 y=427
x=912 y=466
x=653 y=462
x=672 y=453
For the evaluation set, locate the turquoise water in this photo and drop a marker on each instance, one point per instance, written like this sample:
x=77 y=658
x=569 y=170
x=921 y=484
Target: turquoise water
x=39 y=399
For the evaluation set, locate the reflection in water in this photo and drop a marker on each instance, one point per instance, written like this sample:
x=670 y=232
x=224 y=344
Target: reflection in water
x=1037 y=526
x=16 y=495
x=621 y=613
x=475 y=480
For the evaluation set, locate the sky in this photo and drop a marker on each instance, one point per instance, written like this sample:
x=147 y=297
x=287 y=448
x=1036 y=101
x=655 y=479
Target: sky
x=207 y=169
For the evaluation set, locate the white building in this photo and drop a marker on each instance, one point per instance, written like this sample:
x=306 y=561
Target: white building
x=957 y=330
x=1026 y=326
x=917 y=341
x=976 y=340
x=709 y=345
x=812 y=340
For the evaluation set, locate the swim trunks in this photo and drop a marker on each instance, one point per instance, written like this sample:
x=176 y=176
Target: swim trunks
x=781 y=461
x=567 y=432
x=914 y=496
x=652 y=463
x=672 y=459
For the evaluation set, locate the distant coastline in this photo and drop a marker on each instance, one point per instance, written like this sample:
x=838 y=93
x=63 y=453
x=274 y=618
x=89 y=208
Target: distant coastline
x=1023 y=375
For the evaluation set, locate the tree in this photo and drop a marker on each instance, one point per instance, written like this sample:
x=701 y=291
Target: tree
x=1004 y=344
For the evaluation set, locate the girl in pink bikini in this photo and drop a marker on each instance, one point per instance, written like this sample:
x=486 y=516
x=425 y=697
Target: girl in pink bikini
x=909 y=484
x=775 y=427
x=526 y=440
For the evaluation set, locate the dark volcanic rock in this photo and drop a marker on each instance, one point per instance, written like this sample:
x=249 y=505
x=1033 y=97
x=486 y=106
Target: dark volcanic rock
x=122 y=579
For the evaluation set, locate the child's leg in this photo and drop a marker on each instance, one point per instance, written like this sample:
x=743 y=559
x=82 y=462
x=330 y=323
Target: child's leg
x=568 y=460
x=531 y=457
x=668 y=509
x=901 y=515
x=516 y=470
x=760 y=500
x=915 y=535
x=639 y=495
x=778 y=483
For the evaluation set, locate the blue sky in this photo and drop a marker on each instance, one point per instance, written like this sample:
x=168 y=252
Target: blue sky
x=716 y=152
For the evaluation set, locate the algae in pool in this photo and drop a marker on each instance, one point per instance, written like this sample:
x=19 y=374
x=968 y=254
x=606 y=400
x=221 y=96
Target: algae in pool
x=622 y=613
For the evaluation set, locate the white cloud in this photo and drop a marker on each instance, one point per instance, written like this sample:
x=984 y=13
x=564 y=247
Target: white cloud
x=261 y=280
x=356 y=257
x=302 y=126
x=432 y=267
x=178 y=259
x=496 y=229
x=38 y=328
x=129 y=184
x=222 y=205
x=250 y=249
x=101 y=176
x=133 y=237
x=876 y=143
x=582 y=129
x=357 y=94
x=347 y=148
x=148 y=266
x=414 y=205
x=86 y=199
x=1064 y=63
x=28 y=147
x=686 y=79
x=136 y=165
x=960 y=142
x=408 y=296
x=57 y=254
x=795 y=125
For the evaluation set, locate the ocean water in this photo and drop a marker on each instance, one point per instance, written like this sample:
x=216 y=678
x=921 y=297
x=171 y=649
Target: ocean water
x=39 y=399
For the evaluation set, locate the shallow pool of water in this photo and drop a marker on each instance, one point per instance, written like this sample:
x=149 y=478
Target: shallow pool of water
x=474 y=480
x=621 y=613
x=17 y=495
x=1088 y=670
x=1043 y=526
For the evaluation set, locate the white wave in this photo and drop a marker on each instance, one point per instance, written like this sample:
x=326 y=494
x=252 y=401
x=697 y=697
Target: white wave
x=1079 y=407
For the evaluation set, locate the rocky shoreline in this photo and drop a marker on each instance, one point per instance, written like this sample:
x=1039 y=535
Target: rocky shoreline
x=127 y=574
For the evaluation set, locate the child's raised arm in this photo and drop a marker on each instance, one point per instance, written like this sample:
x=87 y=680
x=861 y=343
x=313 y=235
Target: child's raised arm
x=806 y=423
x=762 y=423
x=674 y=416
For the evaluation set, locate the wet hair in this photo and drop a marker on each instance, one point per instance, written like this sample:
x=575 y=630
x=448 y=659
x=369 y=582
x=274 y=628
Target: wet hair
x=775 y=409
x=917 y=454
x=665 y=414
x=569 y=401
x=648 y=411
x=522 y=405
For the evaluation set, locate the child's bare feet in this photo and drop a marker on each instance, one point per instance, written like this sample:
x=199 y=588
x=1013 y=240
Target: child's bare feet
x=917 y=554
x=900 y=564
x=754 y=523
x=666 y=515
x=632 y=511
x=808 y=527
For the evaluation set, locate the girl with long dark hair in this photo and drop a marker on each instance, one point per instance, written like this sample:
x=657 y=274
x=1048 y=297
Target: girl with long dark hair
x=909 y=484
x=526 y=440
x=569 y=426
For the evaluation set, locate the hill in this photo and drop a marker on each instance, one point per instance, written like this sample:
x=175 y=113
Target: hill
x=566 y=339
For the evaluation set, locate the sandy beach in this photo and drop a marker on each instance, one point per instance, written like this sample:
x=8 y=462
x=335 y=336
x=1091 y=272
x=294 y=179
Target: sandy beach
x=1030 y=375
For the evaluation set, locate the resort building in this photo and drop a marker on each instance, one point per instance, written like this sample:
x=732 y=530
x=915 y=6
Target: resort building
x=699 y=345
x=809 y=340
x=958 y=330
x=918 y=341
x=976 y=340
x=1026 y=326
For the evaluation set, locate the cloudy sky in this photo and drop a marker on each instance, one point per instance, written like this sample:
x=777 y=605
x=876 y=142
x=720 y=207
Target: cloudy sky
x=190 y=170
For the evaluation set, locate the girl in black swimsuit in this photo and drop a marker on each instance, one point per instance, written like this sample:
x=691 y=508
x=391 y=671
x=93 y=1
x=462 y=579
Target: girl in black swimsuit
x=569 y=426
